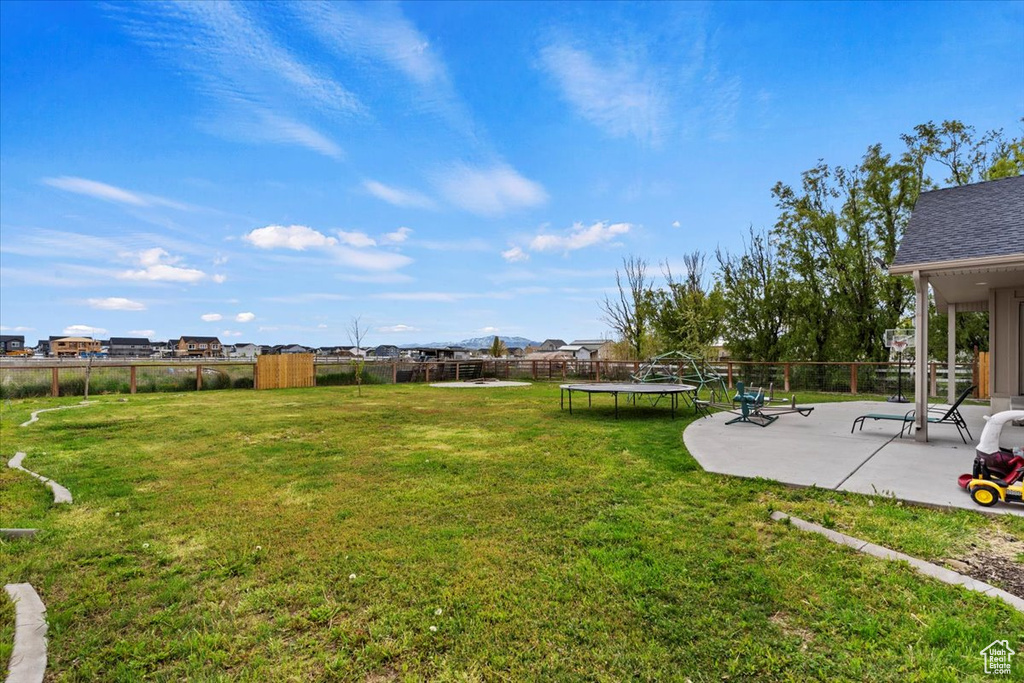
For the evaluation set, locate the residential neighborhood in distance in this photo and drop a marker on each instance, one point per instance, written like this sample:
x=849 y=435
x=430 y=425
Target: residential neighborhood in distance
x=193 y=346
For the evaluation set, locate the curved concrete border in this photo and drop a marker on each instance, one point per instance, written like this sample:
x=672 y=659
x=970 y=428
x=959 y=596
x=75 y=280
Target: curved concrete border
x=35 y=414
x=60 y=494
x=28 y=658
x=474 y=384
x=18 y=533
x=927 y=568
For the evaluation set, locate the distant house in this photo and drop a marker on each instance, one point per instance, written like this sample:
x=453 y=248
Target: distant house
x=244 y=350
x=551 y=345
x=130 y=347
x=292 y=348
x=198 y=347
x=575 y=351
x=600 y=349
x=516 y=352
x=386 y=351
x=72 y=347
x=42 y=347
x=12 y=344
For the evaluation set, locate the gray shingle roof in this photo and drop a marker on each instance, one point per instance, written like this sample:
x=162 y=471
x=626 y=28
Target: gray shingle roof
x=972 y=221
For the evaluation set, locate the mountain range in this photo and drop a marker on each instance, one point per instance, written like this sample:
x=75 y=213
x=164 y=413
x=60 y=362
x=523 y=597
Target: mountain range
x=477 y=343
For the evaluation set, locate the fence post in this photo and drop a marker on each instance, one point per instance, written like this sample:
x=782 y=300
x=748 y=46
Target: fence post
x=786 y=380
x=394 y=372
x=728 y=372
x=563 y=369
x=54 y=382
x=457 y=364
x=199 y=377
x=934 y=384
x=131 y=380
x=534 y=369
x=597 y=370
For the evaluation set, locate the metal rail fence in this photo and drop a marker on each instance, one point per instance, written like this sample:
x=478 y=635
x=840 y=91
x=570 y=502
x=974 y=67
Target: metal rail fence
x=19 y=378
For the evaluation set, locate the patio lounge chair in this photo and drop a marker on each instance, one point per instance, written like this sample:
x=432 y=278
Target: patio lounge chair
x=938 y=415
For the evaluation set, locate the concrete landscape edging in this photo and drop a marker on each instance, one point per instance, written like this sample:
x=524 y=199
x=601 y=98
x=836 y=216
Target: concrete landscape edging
x=18 y=533
x=927 y=568
x=28 y=658
x=36 y=413
x=60 y=494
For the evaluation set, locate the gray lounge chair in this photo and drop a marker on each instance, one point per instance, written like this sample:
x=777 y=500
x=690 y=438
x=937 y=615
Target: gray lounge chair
x=949 y=415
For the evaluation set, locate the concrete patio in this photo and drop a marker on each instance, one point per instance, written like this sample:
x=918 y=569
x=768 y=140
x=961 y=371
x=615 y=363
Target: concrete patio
x=819 y=450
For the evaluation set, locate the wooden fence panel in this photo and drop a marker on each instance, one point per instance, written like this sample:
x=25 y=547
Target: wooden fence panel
x=983 y=375
x=285 y=371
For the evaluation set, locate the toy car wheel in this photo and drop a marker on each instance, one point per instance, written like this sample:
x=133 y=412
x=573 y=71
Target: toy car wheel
x=984 y=495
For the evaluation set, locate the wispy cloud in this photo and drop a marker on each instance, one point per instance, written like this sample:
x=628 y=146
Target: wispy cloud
x=17 y=328
x=260 y=87
x=356 y=239
x=246 y=317
x=397 y=329
x=308 y=298
x=396 y=237
x=620 y=95
x=515 y=255
x=84 y=331
x=211 y=317
x=302 y=238
x=230 y=333
x=489 y=191
x=408 y=199
x=580 y=236
x=111 y=193
x=159 y=266
x=116 y=303
x=142 y=333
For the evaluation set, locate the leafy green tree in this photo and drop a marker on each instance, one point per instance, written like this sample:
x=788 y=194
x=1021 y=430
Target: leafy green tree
x=498 y=348
x=756 y=300
x=687 y=314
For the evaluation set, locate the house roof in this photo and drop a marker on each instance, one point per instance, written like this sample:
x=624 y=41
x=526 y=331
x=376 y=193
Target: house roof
x=980 y=221
x=129 y=341
x=202 y=340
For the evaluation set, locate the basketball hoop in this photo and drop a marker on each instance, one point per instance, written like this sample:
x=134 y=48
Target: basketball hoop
x=899 y=340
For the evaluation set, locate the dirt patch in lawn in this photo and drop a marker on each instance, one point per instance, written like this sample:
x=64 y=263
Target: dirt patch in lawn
x=998 y=561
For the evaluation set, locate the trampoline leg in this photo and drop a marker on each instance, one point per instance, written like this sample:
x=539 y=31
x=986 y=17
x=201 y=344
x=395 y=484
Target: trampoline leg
x=589 y=398
x=570 y=401
x=561 y=399
x=673 y=404
x=616 y=405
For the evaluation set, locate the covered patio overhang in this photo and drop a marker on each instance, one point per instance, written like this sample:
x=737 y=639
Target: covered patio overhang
x=994 y=284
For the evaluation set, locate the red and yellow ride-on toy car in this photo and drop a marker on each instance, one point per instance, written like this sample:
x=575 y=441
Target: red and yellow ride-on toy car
x=998 y=473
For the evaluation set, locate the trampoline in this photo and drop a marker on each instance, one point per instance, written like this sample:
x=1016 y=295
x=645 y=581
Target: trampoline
x=652 y=391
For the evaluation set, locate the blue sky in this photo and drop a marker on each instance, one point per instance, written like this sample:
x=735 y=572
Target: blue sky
x=442 y=170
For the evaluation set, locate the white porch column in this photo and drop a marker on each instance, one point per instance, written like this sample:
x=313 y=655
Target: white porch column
x=951 y=353
x=921 y=357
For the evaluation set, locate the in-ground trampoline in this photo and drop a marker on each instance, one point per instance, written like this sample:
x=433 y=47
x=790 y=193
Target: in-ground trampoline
x=653 y=391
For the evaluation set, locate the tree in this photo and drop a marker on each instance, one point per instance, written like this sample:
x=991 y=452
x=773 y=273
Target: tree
x=687 y=314
x=356 y=333
x=755 y=299
x=498 y=348
x=966 y=157
x=628 y=314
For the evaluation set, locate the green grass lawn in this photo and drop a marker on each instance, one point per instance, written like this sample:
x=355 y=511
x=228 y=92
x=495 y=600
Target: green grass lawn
x=457 y=535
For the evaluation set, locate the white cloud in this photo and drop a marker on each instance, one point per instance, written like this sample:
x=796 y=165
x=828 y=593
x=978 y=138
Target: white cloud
x=675 y=224
x=301 y=238
x=356 y=239
x=396 y=237
x=18 y=328
x=407 y=199
x=295 y=237
x=321 y=326
x=230 y=333
x=514 y=255
x=142 y=333
x=211 y=317
x=621 y=96
x=116 y=303
x=159 y=266
x=110 y=193
x=489 y=330
x=84 y=331
x=398 y=329
x=254 y=82
x=220 y=260
x=580 y=236
x=489 y=191
x=245 y=317
x=443 y=297
x=220 y=279
x=307 y=298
